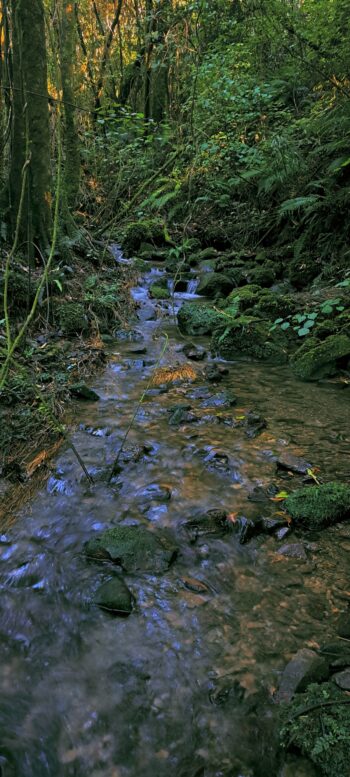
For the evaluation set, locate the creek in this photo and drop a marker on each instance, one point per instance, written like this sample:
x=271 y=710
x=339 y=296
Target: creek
x=183 y=686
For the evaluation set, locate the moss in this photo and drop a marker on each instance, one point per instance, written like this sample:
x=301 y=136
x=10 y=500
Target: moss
x=133 y=548
x=272 y=305
x=71 y=317
x=215 y=285
x=20 y=295
x=251 y=336
x=159 y=292
x=265 y=275
x=325 y=328
x=196 y=319
x=321 y=361
x=318 y=506
x=138 y=232
x=248 y=296
x=302 y=271
x=321 y=733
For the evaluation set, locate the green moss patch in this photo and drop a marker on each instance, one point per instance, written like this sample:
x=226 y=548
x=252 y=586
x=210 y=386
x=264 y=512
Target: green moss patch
x=133 y=548
x=321 y=361
x=198 y=319
x=318 y=506
x=251 y=336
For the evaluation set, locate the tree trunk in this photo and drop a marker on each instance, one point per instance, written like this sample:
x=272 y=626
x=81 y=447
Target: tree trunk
x=30 y=124
x=71 y=147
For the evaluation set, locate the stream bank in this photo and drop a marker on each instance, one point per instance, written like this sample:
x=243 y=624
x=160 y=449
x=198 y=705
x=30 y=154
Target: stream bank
x=185 y=685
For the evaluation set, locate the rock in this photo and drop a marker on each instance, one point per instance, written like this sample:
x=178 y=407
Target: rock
x=214 y=284
x=129 y=335
x=133 y=548
x=221 y=399
x=179 y=414
x=82 y=391
x=225 y=690
x=215 y=372
x=137 y=233
x=289 y=462
x=194 y=352
x=154 y=492
x=115 y=596
x=270 y=525
x=318 y=506
x=146 y=312
x=344 y=625
x=194 y=585
x=194 y=319
x=159 y=292
x=342 y=679
x=214 y=523
x=253 y=424
x=215 y=460
x=263 y=495
x=250 y=336
x=130 y=454
x=247 y=528
x=306 y=667
x=140 y=350
x=281 y=534
x=293 y=550
x=321 y=361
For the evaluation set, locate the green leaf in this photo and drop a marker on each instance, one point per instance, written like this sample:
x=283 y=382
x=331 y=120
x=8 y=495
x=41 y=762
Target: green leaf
x=285 y=325
x=58 y=284
x=278 y=321
x=302 y=332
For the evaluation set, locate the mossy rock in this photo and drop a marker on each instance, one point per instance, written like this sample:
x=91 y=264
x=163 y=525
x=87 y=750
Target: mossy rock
x=264 y=275
x=202 y=255
x=273 y=305
x=322 y=360
x=317 y=723
x=133 y=548
x=138 y=232
x=159 y=292
x=318 y=506
x=215 y=285
x=302 y=271
x=114 y=596
x=198 y=319
x=250 y=336
x=248 y=296
x=71 y=317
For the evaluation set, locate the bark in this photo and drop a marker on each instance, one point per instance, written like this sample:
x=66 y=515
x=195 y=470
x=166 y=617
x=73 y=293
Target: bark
x=30 y=123
x=71 y=147
x=106 y=53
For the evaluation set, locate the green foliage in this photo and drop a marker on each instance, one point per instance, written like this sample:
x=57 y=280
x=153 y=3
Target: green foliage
x=318 y=506
x=317 y=722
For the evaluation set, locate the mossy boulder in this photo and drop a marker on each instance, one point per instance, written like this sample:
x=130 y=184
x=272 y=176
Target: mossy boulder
x=215 y=285
x=248 y=296
x=317 y=723
x=302 y=271
x=316 y=507
x=323 y=359
x=250 y=336
x=143 y=231
x=159 y=291
x=71 y=318
x=20 y=293
x=264 y=275
x=133 y=548
x=196 y=319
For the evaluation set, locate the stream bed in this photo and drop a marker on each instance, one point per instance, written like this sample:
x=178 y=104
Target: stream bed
x=184 y=686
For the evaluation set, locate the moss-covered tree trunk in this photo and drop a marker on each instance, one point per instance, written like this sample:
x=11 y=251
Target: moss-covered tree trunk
x=71 y=146
x=30 y=124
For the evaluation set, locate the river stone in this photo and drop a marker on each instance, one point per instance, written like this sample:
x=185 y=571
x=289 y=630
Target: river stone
x=129 y=335
x=215 y=372
x=154 y=492
x=289 y=462
x=342 y=679
x=221 y=399
x=82 y=391
x=214 y=523
x=134 y=548
x=318 y=506
x=114 y=595
x=253 y=424
x=306 y=667
x=194 y=352
x=247 y=528
x=293 y=550
x=179 y=414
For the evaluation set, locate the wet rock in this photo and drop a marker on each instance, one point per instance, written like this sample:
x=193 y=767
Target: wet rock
x=82 y=391
x=221 y=399
x=194 y=319
x=281 y=534
x=138 y=351
x=322 y=360
x=133 y=548
x=293 y=550
x=154 y=492
x=214 y=523
x=262 y=495
x=215 y=372
x=179 y=414
x=226 y=691
x=305 y=668
x=59 y=485
x=247 y=528
x=194 y=585
x=129 y=335
x=115 y=596
x=146 y=313
x=194 y=352
x=342 y=679
x=344 y=625
x=96 y=431
x=253 y=424
x=316 y=507
x=215 y=285
x=218 y=461
x=134 y=364
x=287 y=461
x=130 y=454
x=271 y=525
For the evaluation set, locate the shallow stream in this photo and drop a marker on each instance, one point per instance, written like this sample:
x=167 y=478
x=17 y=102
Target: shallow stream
x=161 y=693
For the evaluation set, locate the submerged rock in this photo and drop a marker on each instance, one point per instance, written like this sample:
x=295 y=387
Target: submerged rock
x=318 y=506
x=180 y=414
x=221 y=399
x=215 y=372
x=82 y=391
x=155 y=492
x=306 y=667
x=293 y=550
x=322 y=360
x=214 y=523
x=253 y=424
x=129 y=335
x=289 y=462
x=133 y=548
x=115 y=596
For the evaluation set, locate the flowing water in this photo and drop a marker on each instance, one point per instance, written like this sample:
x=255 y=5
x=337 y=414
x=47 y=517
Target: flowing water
x=160 y=694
